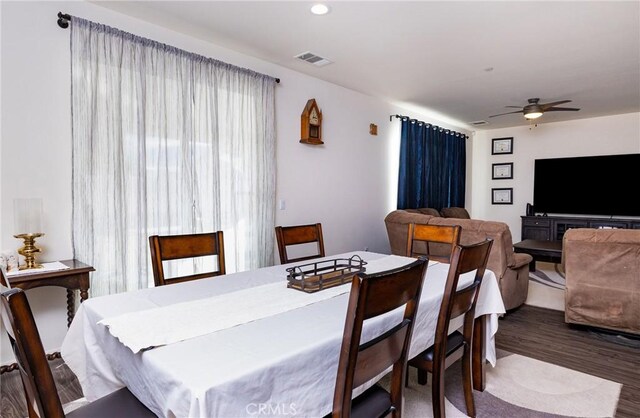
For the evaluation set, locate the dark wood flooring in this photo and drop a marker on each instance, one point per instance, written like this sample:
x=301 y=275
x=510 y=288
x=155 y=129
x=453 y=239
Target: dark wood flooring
x=542 y=334
x=12 y=400
x=533 y=332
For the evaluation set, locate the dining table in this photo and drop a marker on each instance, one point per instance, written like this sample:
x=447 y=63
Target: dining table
x=244 y=344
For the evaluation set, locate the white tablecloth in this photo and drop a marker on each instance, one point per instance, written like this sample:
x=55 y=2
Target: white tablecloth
x=280 y=365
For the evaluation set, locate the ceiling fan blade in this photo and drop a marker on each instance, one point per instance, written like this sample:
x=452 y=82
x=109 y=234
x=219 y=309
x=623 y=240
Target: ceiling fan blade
x=516 y=107
x=546 y=106
x=561 y=108
x=508 y=113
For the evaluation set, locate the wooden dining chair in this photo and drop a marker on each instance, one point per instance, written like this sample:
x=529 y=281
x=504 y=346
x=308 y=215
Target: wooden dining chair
x=438 y=240
x=37 y=380
x=373 y=295
x=454 y=303
x=299 y=234
x=175 y=247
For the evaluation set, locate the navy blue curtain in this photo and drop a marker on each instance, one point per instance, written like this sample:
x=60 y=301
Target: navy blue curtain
x=432 y=167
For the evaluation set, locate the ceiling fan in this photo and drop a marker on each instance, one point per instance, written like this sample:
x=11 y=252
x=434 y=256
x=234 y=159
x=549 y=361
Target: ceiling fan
x=534 y=109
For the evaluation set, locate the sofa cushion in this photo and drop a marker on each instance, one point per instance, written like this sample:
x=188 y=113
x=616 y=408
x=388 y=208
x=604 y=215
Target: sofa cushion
x=460 y=213
x=428 y=211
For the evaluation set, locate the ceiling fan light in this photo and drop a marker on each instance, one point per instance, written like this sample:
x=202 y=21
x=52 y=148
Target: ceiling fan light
x=533 y=115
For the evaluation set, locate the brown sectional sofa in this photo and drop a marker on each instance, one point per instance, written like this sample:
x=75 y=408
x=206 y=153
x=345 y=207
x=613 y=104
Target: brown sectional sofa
x=602 y=271
x=511 y=269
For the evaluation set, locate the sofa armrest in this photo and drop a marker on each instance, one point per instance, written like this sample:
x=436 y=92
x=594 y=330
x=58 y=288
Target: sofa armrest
x=519 y=260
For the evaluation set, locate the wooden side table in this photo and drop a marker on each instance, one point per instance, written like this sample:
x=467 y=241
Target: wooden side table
x=76 y=277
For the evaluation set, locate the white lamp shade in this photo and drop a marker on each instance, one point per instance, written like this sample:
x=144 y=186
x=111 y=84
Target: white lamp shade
x=27 y=216
x=533 y=115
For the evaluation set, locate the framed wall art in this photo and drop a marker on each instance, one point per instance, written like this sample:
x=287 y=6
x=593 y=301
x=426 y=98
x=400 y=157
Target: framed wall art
x=502 y=196
x=502 y=146
x=501 y=171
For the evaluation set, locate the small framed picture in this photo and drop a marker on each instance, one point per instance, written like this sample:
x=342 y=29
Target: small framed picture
x=501 y=171
x=502 y=196
x=502 y=146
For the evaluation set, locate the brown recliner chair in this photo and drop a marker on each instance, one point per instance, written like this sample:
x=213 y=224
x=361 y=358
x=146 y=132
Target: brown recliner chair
x=511 y=269
x=602 y=271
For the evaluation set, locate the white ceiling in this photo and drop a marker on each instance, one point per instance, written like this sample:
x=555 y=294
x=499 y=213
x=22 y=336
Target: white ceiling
x=435 y=55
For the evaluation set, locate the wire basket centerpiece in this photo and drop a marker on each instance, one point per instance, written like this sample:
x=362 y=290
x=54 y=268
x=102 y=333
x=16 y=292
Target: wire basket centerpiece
x=313 y=277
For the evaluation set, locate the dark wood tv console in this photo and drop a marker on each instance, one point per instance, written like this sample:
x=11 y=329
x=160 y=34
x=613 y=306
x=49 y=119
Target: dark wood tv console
x=552 y=228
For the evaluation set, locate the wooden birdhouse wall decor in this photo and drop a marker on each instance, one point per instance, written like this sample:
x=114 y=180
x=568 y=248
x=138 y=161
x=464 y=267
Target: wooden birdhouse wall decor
x=311 y=124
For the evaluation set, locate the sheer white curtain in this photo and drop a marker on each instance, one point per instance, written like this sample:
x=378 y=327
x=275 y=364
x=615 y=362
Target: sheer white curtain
x=166 y=142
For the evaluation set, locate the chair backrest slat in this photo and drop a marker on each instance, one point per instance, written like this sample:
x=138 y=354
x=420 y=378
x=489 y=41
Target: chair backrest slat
x=183 y=246
x=299 y=234
x=438 y=240
x=373 y=359
x=174 y=247
x=387 y=292
x=463 y=300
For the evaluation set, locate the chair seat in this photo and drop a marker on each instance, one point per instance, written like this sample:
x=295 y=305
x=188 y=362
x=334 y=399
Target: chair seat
x=120 y=403
x=374 y=402
x=455 y=340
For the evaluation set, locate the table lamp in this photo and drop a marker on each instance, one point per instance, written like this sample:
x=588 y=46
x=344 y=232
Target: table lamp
x=27 y=214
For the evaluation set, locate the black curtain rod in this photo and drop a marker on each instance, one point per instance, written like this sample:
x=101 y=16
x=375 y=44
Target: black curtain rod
x=419 y=122
x=64 y=19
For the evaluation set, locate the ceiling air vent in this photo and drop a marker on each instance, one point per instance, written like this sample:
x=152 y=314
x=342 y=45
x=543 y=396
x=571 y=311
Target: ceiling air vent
x=314 y=59
x=479 y=123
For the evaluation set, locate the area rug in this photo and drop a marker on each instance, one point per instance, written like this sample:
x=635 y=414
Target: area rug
x=546 y=286
x=519 y=386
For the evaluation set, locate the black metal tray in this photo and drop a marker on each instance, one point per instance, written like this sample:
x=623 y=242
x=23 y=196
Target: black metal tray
x=319 y=275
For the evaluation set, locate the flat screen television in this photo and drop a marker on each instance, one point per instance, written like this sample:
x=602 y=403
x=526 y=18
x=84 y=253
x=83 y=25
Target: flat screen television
x=607 y=185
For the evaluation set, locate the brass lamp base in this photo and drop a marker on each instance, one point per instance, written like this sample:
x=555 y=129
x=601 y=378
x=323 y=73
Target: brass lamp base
x=29 y=250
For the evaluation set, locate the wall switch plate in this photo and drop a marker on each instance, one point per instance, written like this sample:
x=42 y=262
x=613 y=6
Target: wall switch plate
x=282 y=205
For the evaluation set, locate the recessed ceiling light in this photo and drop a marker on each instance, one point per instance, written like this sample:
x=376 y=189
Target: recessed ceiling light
x=319 y=9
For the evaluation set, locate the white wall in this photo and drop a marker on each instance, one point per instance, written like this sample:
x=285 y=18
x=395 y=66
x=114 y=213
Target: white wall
x=619 y=134
x=349 y=184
